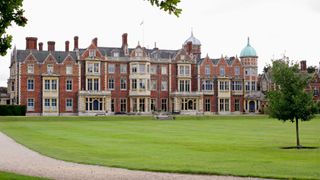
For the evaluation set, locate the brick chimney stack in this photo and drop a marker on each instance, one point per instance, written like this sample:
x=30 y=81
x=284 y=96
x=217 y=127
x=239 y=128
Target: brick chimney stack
x=124 y=40
x=51 y=45
x=303 y=65
x=76 y=41
x=189 y=47
x=67 y=46
x=40 y=46
x=31 y=43
x=95 y=41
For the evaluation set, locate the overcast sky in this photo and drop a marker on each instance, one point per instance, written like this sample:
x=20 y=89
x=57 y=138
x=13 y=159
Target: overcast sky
x=275 y=27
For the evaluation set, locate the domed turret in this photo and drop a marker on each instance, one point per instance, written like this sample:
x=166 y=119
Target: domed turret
x=248 y=51
x=192 y=39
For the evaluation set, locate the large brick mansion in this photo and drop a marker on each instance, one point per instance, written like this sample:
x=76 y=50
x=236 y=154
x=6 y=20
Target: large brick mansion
x=111 y=80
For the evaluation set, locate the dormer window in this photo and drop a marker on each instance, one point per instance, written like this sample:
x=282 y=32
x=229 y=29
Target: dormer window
x=222 y=71
x=139 y=53
x=30 y=69
x=92 y=53
x=50 y=68
x=116 y=54
x=182 y=57
x=207 y=70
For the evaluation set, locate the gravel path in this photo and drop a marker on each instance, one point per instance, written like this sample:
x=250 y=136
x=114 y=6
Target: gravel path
x=21 y=160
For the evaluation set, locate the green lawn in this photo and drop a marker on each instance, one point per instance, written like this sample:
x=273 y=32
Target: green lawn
x=11 y=176
x=233 y=145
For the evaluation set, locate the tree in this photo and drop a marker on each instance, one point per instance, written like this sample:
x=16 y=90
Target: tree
x=9 y=11
x=290 y=101
x=167 y=5
x=311 y=69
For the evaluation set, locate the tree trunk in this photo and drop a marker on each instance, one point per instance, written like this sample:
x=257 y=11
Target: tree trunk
x=297 y=133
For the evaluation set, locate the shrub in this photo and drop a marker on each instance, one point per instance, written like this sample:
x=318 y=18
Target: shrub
x=12 y=110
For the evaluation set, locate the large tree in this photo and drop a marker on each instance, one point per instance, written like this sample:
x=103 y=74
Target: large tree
x=10 y=11
x=168 y=5
x=290 y=101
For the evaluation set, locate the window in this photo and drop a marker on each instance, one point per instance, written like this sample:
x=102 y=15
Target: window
x=94 y=104
x=116 y=54
x=49 y=68
x=47 y=104
x=237 y=105
x=163 y=69
x=184 y=85
x=315 y=92
x=224 y=105
x=142 y=68
x=153 y=84
x=207 y=105
x=207 y=70
x=222 y=71
x=54 y=84
x=184 y=70
x=142 y=83
x=30 y=104
x=134 y=68
x=247 y=71
x=112 y=105
x=253 y=85
x=224 y=85
x=164 y=105
x=142 y=104
x=54 y=103
x=153 y=104
x=207 y=85
x=69 y=104
x=96 y=84
x=111 y=68
x=89 y=85
x=164 y=85
x=69 y=85
x=123 y=68
x=237 y=71
x=47 y=84
x=236 y=85
x=30 y=84
x=92 y=53
x=134 y=104
x=123 y=105
x=134 y=84
x=30 y=69
x=247 y=86
x=123 y=83
x=111 y=83
x=153 y=69
x=96 y=68
x=12 y=86
x=90 y=68
x=182 y=57
x=69 y=70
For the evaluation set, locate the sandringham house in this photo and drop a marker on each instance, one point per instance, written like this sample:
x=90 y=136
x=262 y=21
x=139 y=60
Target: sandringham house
x=122 y=80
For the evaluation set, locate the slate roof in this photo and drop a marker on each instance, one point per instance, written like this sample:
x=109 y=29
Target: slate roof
x=42 y=55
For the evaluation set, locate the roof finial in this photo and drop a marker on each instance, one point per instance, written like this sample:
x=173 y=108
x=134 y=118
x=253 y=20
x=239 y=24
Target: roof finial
x=248 y=41
x=191 y=31
x=155 y=44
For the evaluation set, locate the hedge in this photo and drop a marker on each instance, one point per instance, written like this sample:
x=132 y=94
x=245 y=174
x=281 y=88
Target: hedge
x=12 y=110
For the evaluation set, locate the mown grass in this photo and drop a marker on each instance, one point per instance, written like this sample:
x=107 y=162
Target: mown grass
x=12 y=176
x=227 y=145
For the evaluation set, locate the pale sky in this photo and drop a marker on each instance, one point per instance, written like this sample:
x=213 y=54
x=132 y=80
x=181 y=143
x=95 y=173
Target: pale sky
x=275 y=27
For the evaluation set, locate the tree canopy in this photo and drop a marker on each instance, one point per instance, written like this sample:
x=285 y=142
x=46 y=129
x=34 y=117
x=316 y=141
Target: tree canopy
x=167 y=5
x=10 y=11
x=290 y=101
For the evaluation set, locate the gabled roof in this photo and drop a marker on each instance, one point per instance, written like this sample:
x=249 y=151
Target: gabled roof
x=42 y=55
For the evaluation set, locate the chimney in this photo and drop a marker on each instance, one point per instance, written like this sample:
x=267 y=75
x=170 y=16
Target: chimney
x=124 y=40
x=303 y=65
x=76 y=40
x=95 y=41
x=67 y=46
x=189 y=47
x=31 y=43
x=51 y=45
x=40 y=46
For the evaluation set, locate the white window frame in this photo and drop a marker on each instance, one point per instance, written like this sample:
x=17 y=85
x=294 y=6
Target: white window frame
x=30 y=104
x=69 y=84
x=111 y=68
x=32 y=84
x=123 y=68
x=68 y=106
x=123 y=83
x=164 y=70
x=164 y=85
x=69 y=70
x=30 y=69
x=50 y=68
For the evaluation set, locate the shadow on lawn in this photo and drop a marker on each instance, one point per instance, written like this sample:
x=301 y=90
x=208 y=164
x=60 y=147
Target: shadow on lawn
x=299 y=147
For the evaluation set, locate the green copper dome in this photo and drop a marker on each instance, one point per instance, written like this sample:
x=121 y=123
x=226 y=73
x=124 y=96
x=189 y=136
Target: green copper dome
x=248 y=51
